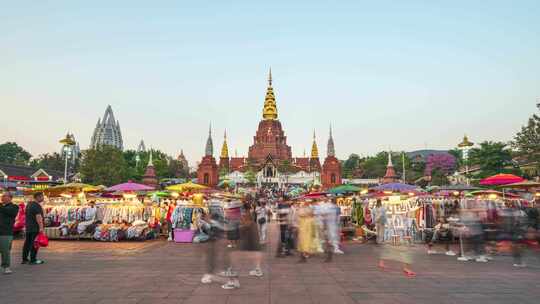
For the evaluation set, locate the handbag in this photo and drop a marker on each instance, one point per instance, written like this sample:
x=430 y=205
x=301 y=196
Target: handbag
x=41 y=241
x=261 y=221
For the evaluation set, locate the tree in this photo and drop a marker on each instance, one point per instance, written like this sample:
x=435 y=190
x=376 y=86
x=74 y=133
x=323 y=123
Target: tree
x=161 y=161
x=350 y=166
x=492 y=157
x=53 y=161
x=250 y=176
x=458 y=155
x=527 y=141
x=104 y=165
x=12 y=153
x=444 y=163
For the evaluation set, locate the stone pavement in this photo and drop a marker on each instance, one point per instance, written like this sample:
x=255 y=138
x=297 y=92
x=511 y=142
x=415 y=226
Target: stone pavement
x=161 y=272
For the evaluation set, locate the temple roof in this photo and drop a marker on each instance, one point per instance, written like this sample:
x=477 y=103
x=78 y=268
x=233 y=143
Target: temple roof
x=209 y=150
x=330 y=149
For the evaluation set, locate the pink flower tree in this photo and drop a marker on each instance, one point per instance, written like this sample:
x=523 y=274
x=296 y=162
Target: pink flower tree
x=444 y=163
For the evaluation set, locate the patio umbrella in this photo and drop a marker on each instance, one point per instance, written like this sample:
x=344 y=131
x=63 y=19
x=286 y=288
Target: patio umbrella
x=314 y=195
x=129 y=187
x=501 y=179
x=523 y=185
x=226 y=183
x=189 y=186
x=395 y=187
x=459 y=187
x=494 y=192
x=73 y=187
x=158 y=194
x=345 y=189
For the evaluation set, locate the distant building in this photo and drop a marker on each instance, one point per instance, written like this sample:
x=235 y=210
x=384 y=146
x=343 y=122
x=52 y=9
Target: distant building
x=149 y=177
x=390 y=176
x=107 y=131
x=141 y=147
x=12 y=176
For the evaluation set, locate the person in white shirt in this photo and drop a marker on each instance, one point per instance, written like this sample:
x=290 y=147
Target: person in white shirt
x=262 y=212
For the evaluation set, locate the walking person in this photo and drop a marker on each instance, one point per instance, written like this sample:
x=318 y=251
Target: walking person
x=262 y=212
x=380 y=221
x=34 y=226
x=8 y=213
x=249 y=245
x=284 y=245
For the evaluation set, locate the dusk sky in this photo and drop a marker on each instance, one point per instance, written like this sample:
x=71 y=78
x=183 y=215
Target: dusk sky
x=400 y=75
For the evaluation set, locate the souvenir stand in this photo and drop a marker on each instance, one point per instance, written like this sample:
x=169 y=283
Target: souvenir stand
x=102 y=219
x=186 y=218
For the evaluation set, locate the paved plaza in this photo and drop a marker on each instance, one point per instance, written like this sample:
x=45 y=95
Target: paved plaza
x=161 y=272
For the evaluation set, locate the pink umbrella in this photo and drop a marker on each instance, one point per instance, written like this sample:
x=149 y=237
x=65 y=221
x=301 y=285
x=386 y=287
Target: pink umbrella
x=129 y=186
x=501 y=179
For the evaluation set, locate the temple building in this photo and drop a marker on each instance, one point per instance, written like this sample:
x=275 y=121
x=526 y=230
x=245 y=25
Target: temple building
x=269 y=160
x=183 y=160
x=390 y=176
x=149 y=178
x=107 y=131
x=207 y=173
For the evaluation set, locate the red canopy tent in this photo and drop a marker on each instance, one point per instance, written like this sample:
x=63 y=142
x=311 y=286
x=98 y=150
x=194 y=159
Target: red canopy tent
x=501 y=179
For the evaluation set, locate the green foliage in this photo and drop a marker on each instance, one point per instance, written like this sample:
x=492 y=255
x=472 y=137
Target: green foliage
x=104 y=165
x=438 y=177
x=223 y=173
x=285 y=167
x=12 y=153
x=458 y=154
x=527 y=141
x=350 y=166
x=250 y=176
x=492 y=157
x=53 y=161
x=165 y=166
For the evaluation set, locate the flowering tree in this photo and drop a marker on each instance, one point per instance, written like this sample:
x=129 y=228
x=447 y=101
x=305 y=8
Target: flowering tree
x=445 y=163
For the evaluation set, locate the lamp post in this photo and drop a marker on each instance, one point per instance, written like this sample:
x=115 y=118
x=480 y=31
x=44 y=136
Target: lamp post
x=67 y=146
x=465 y=147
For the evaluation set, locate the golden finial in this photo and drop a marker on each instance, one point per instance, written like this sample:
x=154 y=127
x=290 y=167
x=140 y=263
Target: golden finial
x=224 y=148
x=465 y=143
x=270 y=108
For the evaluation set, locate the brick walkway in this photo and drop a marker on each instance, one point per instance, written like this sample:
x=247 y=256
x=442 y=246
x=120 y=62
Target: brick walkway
x=161 y=272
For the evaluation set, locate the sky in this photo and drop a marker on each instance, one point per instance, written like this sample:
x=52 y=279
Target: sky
x=399 y=75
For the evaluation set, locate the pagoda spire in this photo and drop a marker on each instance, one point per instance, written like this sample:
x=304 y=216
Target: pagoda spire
x=314 y=149
x=270 y=107
x=150 y=161
x=330 y=150
x=209 y=150
x=390 y=176
x=225 y=148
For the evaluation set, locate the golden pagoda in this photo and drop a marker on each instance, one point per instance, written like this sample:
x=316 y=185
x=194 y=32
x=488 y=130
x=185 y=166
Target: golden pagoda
x=224 y=148
x=270 y=107
x=314 y=149
x=465 y=143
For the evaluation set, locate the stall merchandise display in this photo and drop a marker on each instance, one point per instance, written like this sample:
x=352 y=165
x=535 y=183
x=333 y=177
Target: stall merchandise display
x=104 y=221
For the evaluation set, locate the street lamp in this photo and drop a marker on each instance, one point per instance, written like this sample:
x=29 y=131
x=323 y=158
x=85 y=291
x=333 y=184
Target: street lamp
x=465 y=147
x=67 y=146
